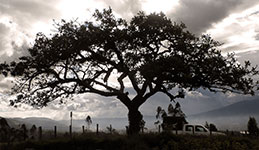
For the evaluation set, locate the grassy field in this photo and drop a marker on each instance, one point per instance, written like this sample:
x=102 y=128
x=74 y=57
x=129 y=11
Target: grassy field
x=151 y=141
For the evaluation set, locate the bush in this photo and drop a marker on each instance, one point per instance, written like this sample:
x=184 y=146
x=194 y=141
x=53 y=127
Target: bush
x=252 y=127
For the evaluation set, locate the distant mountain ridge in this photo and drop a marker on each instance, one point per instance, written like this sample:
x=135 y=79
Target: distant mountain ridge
x=231 y=117
x=242 y=108
x=63 y=125
x=45 y=123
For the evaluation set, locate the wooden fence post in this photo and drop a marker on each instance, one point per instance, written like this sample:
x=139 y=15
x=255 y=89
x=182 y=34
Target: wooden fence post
x=70 y=131
x=55 y=131
x=97 y=128
x=40 y=133
x=83 y=128
x=127 y=130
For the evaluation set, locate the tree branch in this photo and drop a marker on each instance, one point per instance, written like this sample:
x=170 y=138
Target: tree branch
x=120 y=80
x=133 y=81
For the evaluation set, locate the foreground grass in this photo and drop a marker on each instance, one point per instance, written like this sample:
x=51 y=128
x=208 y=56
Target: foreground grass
x=163 y=141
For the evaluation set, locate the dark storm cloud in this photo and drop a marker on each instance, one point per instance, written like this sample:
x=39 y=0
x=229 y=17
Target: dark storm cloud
x=25 y=12
x=20 y=15
x=199 y=15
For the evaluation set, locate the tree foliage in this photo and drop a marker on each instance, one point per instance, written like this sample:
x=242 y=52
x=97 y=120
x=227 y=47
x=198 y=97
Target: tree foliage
x=150 y=54
x=211 y=126
x=174 y=118
x=252 y=127
x=171 y=111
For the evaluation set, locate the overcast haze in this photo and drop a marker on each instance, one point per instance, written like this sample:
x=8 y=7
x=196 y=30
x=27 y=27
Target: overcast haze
x=232 y=22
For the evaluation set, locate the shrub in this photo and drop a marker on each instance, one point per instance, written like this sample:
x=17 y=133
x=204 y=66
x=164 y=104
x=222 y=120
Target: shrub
x=252 y=127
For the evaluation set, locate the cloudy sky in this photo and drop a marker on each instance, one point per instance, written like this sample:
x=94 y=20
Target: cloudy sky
x=232 y=22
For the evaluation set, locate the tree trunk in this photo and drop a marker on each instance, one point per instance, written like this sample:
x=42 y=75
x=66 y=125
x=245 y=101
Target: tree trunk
x=135 y=118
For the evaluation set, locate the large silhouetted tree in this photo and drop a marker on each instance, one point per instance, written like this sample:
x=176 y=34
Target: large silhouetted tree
x=109 y=56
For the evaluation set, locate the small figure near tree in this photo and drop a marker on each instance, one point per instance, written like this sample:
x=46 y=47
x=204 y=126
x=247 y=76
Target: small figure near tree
x=252 y=127
x=88 y=120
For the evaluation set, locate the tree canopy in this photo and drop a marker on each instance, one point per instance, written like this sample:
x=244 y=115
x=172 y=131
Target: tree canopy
x=149 y=54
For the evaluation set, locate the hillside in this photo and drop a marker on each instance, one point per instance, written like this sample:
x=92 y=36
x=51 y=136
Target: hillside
x=231 y=117
x=243 y=108
x=45 y=123
x=63 y=125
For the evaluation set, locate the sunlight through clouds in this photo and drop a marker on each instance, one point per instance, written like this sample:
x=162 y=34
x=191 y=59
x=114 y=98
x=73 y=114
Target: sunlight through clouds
x=78 y=9
x=238 y=31
x=10 y=38
x=150 y=6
